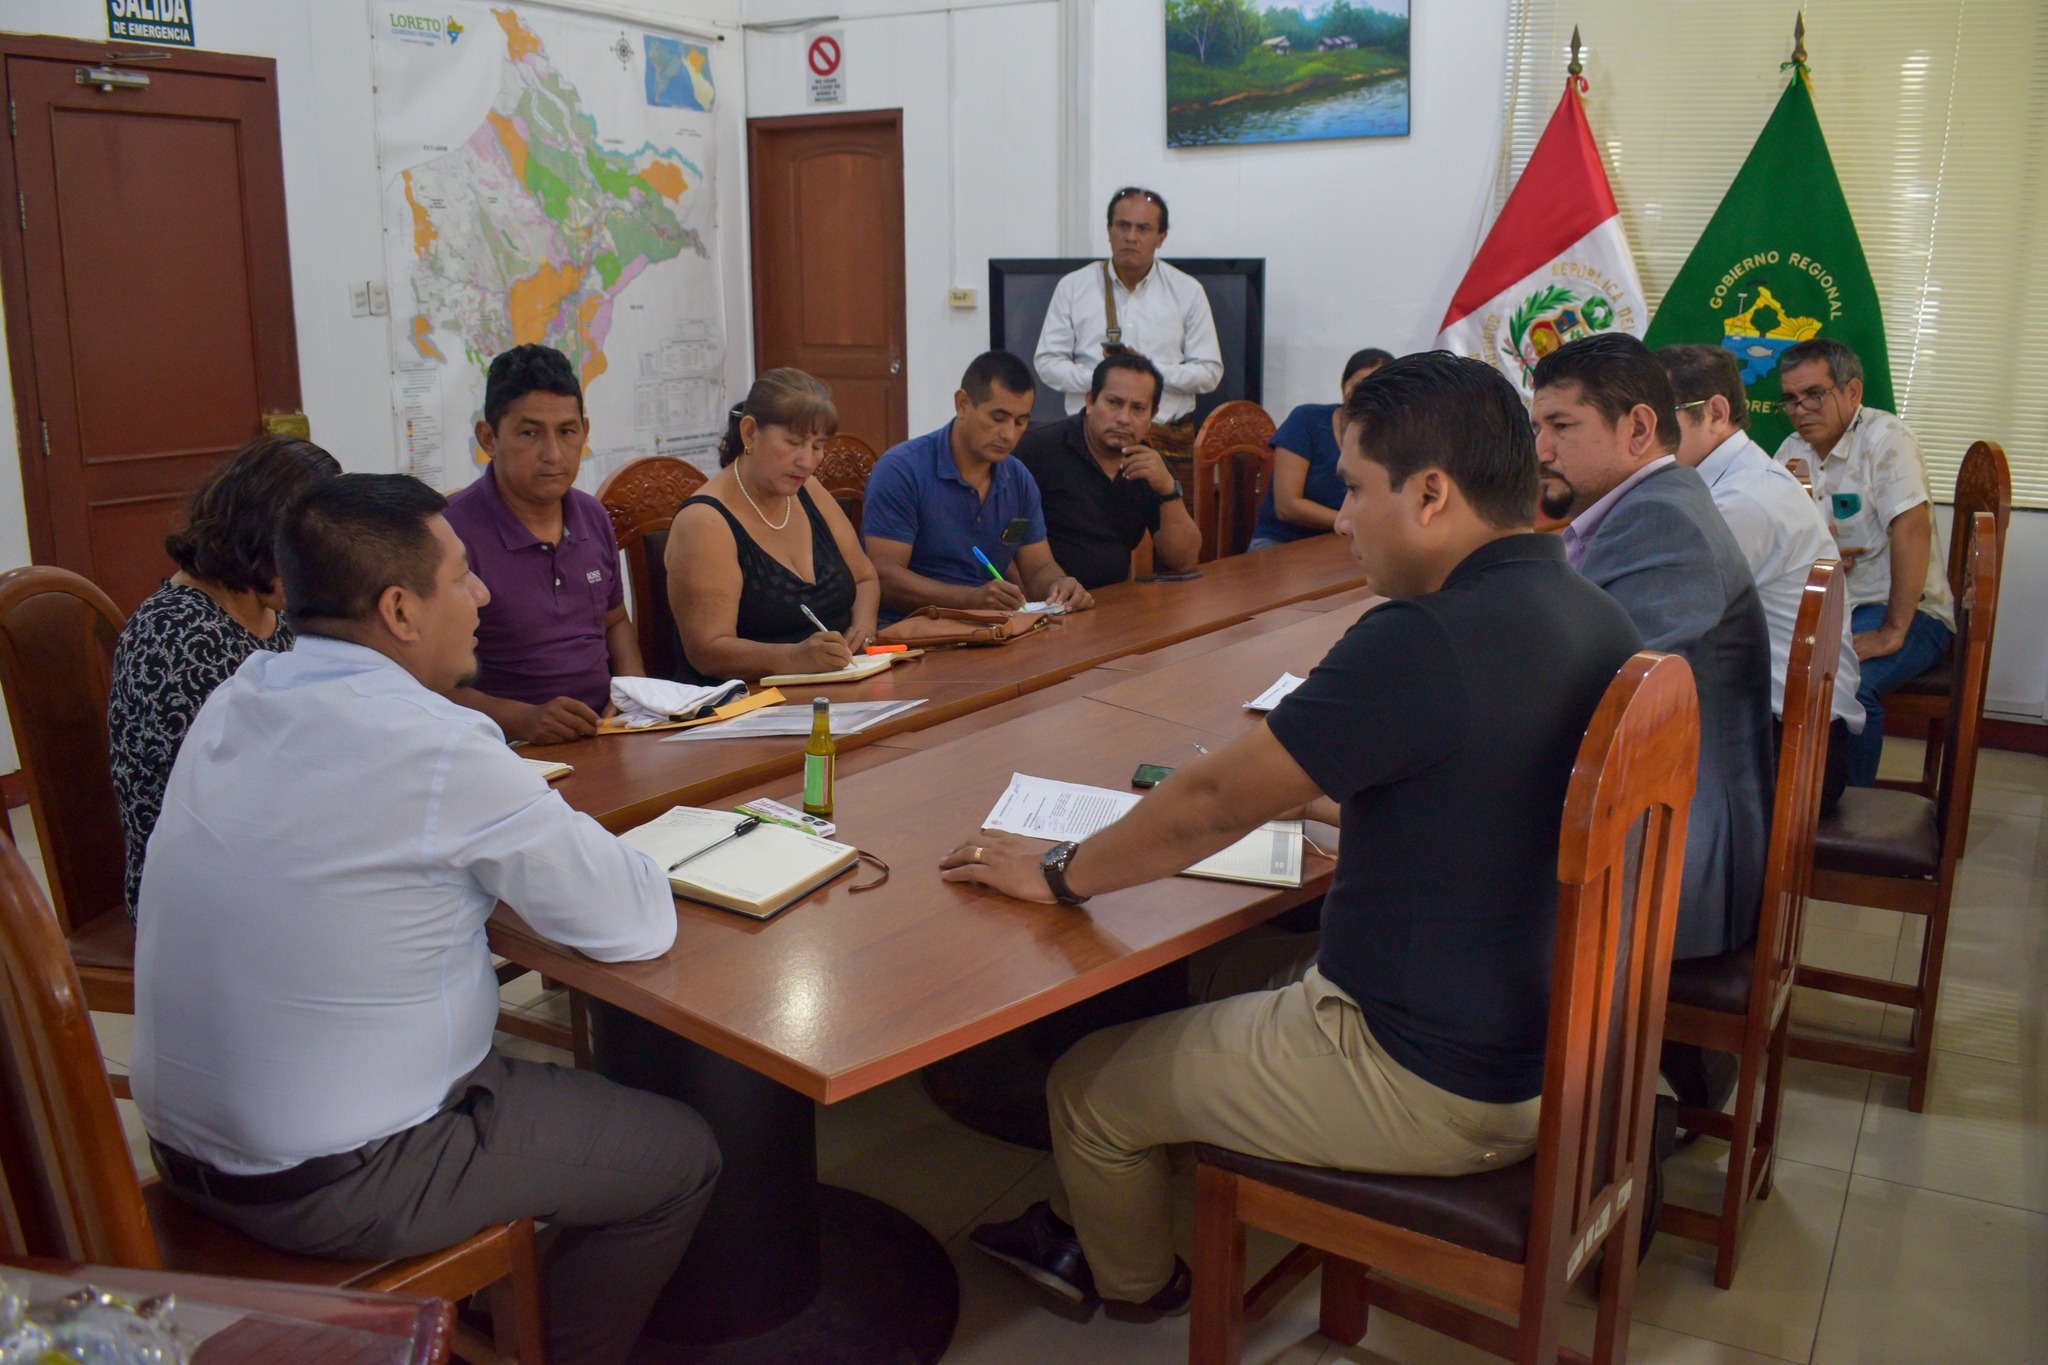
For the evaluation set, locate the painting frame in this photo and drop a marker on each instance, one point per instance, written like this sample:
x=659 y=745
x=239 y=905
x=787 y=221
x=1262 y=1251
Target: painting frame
x=1263 y=71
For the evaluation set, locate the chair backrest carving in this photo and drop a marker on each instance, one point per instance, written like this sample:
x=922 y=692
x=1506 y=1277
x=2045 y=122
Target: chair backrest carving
x=57 y=636
x=1621 y=856
x=1240 y=422
x=67 y=1183
x=1802 y=770
x=642 y=498
x=844 y=473
x=1976 y=619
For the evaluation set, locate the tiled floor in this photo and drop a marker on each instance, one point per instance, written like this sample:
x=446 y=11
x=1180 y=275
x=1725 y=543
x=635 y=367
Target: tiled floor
x=1892 y=1237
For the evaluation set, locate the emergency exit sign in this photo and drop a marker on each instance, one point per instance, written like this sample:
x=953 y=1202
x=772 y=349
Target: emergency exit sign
x=151 y=21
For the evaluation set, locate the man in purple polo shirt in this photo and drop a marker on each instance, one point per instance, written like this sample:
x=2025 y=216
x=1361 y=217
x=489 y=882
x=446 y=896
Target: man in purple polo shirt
x=555 y=632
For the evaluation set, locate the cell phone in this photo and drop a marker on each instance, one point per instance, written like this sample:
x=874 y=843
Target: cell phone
x=1014 y=533
x=1149 y=775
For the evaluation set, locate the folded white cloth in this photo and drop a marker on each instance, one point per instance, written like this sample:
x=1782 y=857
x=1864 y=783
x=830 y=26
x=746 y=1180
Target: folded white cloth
x=656 y=701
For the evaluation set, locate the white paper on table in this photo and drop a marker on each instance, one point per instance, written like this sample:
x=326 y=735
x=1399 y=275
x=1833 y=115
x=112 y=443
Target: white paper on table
x=1042 y=609
x=655 y=701
x=1041 y=808
x=1273 y=695
x=848 y=718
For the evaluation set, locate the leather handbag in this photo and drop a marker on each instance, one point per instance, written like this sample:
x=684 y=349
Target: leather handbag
x=944 y=627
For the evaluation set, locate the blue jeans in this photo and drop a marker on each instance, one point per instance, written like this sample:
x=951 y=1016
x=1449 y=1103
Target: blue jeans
x=1926 y=641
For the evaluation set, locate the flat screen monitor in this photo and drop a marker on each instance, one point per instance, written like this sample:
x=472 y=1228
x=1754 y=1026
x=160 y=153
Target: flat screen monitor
x=1020 y=290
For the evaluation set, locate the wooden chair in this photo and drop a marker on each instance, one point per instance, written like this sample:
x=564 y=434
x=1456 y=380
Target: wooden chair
x=1513 y=1239
x=643 y=497
x=1898 y=850
x=70 y=1188
x=57 y=634
x=844 y=472
x=1983 y=484
x=1741 y=1002
x=1243 y=478
x=1232 y=426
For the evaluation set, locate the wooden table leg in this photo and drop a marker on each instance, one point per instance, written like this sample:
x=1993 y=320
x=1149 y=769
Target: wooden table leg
x=783 y=1270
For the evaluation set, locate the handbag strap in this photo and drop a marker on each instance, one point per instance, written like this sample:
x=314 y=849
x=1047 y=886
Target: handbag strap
x=1114 y=335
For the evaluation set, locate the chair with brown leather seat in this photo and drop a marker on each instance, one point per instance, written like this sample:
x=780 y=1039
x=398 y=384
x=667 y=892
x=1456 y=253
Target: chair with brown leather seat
x=57 y=634
x=1212 y=480
x=1741 y=1002
x=1514 y=1239
x=1983 y=484
x=642 y=498
x=1898 y=850
x=71 y=1191
x=844 y=472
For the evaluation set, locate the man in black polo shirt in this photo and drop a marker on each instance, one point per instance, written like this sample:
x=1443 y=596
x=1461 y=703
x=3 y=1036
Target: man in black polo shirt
x=1103 y=488
x=1440 y=733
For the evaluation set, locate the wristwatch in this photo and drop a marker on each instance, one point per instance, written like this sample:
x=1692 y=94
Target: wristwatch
x=1169 y=497
x=1054 y=866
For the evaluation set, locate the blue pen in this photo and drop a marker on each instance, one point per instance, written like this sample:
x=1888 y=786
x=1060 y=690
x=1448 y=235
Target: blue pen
x=992 y=573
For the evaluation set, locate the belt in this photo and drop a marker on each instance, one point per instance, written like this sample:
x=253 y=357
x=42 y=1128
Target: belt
x=275 y=1187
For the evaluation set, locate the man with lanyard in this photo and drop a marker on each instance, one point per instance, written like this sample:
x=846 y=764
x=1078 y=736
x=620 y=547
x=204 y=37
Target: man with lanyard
x=1868 y=477
x=1134 y=302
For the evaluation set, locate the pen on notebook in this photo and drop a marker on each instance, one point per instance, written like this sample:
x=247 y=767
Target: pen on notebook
x=992 y=573
x=812 y=617
x=746 y=826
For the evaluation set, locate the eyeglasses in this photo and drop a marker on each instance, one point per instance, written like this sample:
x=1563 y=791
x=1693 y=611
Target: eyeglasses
x=1807 y=402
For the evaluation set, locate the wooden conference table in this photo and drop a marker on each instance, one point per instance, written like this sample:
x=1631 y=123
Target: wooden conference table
x=751 y=1022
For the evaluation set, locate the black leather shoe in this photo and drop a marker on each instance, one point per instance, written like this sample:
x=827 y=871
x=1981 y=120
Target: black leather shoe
x=1170 y=1302
x=1042 y=1249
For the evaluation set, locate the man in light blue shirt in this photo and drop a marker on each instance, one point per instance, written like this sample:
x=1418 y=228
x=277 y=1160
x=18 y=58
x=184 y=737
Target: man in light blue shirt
x=935 y=500
x=314 y=997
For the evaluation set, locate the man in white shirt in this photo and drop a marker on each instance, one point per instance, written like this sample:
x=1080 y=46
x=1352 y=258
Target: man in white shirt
x=1870 y=482
x=1132 y=302
x=314 y=998
x=1780 y=531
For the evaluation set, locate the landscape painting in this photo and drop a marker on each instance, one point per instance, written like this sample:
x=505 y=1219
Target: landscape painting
x=1265 y=71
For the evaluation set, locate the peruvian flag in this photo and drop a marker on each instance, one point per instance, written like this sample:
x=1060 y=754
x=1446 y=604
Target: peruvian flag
x=1555 y=265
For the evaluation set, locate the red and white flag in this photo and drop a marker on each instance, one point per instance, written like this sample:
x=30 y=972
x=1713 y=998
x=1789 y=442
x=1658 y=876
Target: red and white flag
x=1555 y=266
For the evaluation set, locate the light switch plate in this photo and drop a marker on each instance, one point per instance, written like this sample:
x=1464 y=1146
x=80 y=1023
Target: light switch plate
x=960 y=298
x=359 y=300
x=380 y=299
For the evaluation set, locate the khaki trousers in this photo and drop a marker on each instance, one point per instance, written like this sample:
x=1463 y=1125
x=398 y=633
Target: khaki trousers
x=1279 y=1064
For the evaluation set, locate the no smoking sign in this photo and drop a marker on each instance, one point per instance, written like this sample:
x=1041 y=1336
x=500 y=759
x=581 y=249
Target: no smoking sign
x=822 y=73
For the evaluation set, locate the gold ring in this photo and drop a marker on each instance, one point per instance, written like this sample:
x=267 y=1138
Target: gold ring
x=977 y=856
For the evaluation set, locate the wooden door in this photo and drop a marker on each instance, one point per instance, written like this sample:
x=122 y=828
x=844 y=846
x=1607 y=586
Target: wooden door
x=148 y=291
x=827 y=203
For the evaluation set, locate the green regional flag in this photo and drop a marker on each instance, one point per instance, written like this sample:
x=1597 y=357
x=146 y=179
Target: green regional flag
x=1780 y=263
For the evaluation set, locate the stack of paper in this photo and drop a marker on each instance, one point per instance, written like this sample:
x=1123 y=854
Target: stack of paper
x=1040 y=808
x=848 y=718
x=1275 y=694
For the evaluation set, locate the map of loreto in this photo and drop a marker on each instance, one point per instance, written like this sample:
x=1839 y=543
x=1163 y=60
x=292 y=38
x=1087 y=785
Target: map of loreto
x=548 y=177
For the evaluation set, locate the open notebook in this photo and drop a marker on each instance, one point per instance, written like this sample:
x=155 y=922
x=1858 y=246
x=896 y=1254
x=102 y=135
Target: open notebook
x=865 y=666
x=756 y=875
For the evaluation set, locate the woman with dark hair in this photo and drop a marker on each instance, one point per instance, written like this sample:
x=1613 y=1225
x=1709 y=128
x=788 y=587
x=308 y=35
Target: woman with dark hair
x=188 y=636
x=1304 y=492
x=763 y=553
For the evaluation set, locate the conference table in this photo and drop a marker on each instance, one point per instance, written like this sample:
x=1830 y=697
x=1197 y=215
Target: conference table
x=753 y=1023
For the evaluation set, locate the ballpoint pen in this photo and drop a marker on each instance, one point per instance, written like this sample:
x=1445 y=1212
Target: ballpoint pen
x=746 y=826
x=992 y=572
x=812 y=617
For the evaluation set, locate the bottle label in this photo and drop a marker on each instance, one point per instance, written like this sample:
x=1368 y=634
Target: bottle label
x=818 y=780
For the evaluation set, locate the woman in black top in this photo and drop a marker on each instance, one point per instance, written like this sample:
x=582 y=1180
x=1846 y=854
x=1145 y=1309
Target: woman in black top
x=764 y=540
x=188 y=636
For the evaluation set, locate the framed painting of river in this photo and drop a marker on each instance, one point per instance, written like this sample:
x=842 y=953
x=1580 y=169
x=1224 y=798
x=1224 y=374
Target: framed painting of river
x=1285 y=70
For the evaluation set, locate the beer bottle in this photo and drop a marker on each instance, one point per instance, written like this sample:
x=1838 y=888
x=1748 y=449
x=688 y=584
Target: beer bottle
x=821 y=757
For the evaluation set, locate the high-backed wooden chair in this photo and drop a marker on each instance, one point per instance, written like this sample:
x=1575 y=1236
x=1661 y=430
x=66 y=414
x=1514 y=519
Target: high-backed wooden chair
x=1513 y=1239
x=1741 y=1002
x=844 y=472
x=1232 y=426
x=71 y=1191
x=57 y=634
x=1898 y=850
x=643 y=497
x=1983 y=484
x=1243 y=478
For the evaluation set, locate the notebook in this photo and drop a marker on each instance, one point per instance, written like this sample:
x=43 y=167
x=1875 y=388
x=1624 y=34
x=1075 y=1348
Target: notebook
x=864 y=666
x=756 y=875
x=1269 y=856
x=548 y=768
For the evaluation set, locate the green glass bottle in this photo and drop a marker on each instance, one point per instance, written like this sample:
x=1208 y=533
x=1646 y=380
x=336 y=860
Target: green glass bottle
x=821 y=758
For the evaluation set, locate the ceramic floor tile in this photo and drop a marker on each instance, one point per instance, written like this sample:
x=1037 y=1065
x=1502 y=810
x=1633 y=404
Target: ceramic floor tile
x=2013 y=782
x=514 y=1046
x=138 y=1139
x=116 y=1032
x=522 y=990
x=2003 y=842
x=1984 y=1134
x=1922 y=1276
x=1822 y=1114
x=1775 y=1304
x=1845 y=950
x=1862 y=919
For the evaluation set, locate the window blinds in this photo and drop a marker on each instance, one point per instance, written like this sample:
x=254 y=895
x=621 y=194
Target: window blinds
x=1936 y=112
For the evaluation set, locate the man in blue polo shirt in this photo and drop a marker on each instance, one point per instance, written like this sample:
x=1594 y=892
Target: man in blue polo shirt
x=935 y=500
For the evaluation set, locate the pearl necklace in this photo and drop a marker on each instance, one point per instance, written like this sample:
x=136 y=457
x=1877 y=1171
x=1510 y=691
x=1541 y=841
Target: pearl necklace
x=788 y=504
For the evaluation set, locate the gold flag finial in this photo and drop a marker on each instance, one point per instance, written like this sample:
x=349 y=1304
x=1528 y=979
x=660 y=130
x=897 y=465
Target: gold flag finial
x=1577 y=67
x=1799 y=39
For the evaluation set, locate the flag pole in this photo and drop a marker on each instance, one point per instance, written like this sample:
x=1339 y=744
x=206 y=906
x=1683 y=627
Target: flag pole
x=1574 y=74
x=1798 y=62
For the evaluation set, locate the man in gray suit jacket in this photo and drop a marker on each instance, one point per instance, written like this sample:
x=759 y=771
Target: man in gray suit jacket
x=1644 y=527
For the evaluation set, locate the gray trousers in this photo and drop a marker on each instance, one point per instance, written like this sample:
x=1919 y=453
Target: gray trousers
x=621 y=1176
